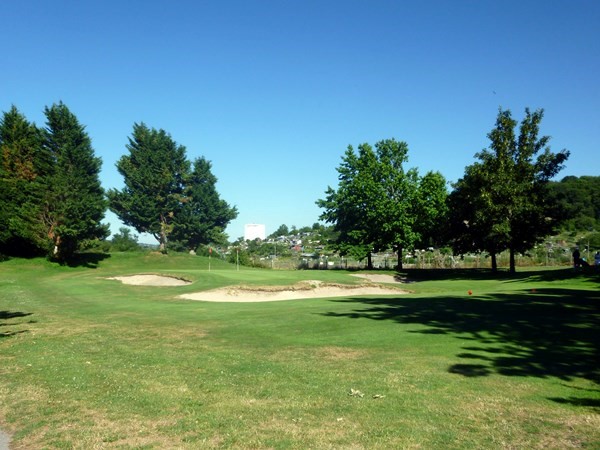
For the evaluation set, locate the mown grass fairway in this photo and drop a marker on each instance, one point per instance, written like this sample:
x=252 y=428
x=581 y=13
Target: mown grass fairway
x=92 y=363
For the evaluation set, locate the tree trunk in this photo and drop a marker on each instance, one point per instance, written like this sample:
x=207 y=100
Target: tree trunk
x=399 y=258
x=370 y=261
x=494 y=263
x=512 y=268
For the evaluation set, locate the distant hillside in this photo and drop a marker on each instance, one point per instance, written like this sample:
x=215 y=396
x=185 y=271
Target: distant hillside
x=579 y=201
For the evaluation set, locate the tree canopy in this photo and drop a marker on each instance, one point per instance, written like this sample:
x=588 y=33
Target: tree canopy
x=502 y=201
x=154 y=174
x=164 y=195
x=23 y=176
x=204 y=215
x=51 y=197
x=378 y=205
x=74 y=201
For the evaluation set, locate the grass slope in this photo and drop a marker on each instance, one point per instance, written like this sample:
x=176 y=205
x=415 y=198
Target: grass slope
x=92 y=363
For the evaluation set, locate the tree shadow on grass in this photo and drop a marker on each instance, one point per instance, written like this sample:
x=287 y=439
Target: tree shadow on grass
x=547 y=333
x=502 y=274
x=7 y=315
x=91 y=260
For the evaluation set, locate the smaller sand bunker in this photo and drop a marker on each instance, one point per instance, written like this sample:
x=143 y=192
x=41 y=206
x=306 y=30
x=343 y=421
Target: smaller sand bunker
x=151 y=280
x=380 y=278
x=302 y=290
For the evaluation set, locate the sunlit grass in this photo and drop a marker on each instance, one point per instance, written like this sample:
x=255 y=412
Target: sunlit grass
x=89 y=362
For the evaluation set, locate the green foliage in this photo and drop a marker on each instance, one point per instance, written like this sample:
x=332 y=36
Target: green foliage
x=502 y=201
x=378 y=205
x=154 y=174
x=167 y=198
x=577 y=200
x=23 y=170
x=51 y=198
x=203 y=215
x=283 y=230
x=74 y=200
x=124 y=241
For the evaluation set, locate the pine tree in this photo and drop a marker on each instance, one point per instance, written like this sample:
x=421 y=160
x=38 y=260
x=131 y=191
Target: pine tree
x=154 y=173
x=23 y=178
x=74 y=202
x=204 y=215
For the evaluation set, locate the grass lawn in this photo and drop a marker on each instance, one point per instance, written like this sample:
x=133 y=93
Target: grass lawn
x=87 y=362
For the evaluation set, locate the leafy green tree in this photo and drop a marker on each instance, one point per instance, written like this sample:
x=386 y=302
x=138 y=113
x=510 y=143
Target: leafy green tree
x=74 y=199
x=154 y=173
x=348 y=206
x=283 y=230
x=470 y=227
x=203 y=216
x=376 y=204
x=396 y=202
x=124 y=241
x=23 y=170
x=431 y=209
x=505 y=192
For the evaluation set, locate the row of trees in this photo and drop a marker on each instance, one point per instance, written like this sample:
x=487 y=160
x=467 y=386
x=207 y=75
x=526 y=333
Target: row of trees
x=501 y=203
x=52 y=202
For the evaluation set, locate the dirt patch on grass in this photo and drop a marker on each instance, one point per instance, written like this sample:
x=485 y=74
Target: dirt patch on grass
x=302 y=290
x=151 y=280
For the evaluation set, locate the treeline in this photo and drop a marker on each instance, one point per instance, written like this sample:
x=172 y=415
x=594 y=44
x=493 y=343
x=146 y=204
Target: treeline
x=578 y=202
x=52 y=202
x=503 y=202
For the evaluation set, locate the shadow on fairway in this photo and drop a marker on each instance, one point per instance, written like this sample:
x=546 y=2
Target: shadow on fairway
x=7 y=315
x=502 y=274
x=552 y=332
x=89 y=260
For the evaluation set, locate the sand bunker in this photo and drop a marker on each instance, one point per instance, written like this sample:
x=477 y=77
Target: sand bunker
x=302 y=290
x=151 y=280
x=380 y=278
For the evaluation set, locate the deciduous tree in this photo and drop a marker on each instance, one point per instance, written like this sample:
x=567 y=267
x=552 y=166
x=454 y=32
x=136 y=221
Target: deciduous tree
x=504 y=194
x=376 y=205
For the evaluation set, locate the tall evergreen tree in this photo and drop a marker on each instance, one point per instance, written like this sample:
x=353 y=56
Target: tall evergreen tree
x=155 y=174
x=204 y=215
x=23 y=178
x=74 y=200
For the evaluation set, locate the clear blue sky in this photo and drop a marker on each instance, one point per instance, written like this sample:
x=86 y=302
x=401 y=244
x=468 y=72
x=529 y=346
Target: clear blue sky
x=272 y=92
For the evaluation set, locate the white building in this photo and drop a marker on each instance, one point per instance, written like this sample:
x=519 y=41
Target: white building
x=254 y=231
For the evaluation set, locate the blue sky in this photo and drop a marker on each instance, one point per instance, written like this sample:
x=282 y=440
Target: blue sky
x=272 y=92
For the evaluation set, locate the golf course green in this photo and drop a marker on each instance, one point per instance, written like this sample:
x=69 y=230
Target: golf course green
x=454 y=359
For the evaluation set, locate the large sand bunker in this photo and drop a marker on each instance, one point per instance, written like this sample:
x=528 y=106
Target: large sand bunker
x=302 y=290
x=151 y=280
